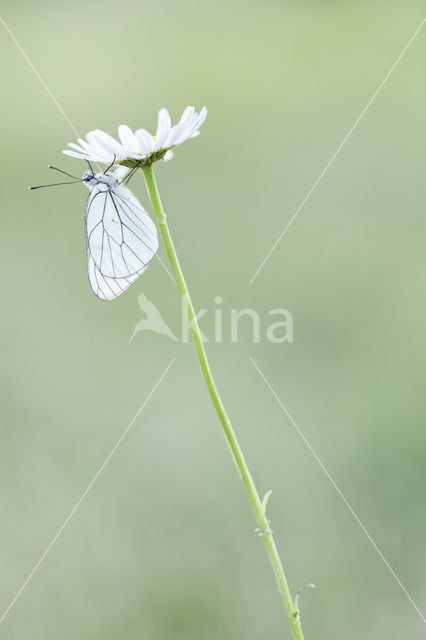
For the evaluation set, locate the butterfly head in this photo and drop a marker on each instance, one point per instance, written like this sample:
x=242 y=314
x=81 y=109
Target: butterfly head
x=91 y=179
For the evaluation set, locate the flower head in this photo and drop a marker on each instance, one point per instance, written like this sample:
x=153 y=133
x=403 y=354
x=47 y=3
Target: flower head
x=139 y=147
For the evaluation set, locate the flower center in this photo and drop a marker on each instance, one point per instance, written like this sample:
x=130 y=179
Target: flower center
x=154 y=156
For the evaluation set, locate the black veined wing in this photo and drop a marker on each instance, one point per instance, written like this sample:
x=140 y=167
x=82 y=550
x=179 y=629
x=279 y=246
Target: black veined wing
x=121 y=239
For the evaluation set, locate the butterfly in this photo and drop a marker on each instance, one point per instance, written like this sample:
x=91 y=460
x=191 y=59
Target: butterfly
x=121 y=238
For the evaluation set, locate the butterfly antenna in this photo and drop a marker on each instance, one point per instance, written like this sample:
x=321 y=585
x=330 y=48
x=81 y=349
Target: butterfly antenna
x=112 y=163
x=55 y=184
x=128 y=176
x=90 y=166
x=61 y=171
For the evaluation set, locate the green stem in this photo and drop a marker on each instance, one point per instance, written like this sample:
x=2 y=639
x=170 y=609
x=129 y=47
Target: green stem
x=253 y=495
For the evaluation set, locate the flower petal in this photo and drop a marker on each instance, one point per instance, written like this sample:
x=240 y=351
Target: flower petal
x=106 y=142
x=174 y=135
x=187 y=115
x=74 y=154
x=128 y=138
x=164 y=126
x=99 y=146
x=121 y=172
x=201 y=117
x=76 y=147
x=145 y=141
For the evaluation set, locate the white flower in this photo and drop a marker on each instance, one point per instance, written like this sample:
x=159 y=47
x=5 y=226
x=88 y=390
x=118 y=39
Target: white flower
x=139 y=147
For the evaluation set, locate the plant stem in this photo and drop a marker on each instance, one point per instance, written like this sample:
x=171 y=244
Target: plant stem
x=237 y=454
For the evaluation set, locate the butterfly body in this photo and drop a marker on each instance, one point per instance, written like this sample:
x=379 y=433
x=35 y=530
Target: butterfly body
x=92 y=179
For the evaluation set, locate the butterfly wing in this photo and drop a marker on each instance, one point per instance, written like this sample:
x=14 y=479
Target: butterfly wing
x=121 y=239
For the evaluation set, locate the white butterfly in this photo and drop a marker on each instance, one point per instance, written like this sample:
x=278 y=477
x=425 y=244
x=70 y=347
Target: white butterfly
x=121 y=238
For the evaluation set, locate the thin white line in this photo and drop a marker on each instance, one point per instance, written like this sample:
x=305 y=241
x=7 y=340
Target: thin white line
x=39 y=77
x=84 y=494
x=165 y=268
x=333 y=482
x=339 y=148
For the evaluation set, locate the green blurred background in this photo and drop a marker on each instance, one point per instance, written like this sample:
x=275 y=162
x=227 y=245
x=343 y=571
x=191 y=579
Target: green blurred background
x=163 y=547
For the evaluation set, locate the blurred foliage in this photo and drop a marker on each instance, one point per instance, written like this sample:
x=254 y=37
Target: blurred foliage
x=164 y=545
